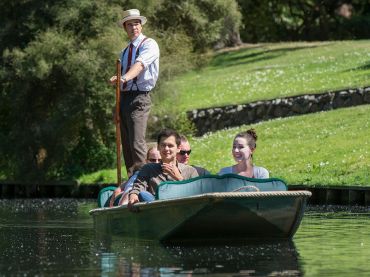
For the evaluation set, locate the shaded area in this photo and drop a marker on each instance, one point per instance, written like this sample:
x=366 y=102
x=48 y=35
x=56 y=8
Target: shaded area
x=263 y=53
x=236 y=222
x=360 y=68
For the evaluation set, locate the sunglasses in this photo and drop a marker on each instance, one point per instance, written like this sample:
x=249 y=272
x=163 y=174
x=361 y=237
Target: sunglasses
x=155 y=160
x=183 y=152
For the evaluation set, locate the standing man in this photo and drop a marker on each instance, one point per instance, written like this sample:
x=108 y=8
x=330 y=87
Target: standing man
x=140 y=67
x=183 y=156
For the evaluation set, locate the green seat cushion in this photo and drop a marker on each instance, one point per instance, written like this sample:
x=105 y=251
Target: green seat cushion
x=216 y=183
x=104 y=196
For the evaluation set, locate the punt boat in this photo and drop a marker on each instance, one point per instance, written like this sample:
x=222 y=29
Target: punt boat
x=209 y=208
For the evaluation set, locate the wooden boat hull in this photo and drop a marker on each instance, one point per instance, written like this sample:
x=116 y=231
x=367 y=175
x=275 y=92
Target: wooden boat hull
x=211 y=216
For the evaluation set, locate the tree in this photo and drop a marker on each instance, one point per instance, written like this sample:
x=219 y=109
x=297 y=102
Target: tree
x=55 y=102
x=207 y=22
x=274 y=20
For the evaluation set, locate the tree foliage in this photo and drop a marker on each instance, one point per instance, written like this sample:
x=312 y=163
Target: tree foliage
x=54 y=96
x=207 y=22
x=275 y=20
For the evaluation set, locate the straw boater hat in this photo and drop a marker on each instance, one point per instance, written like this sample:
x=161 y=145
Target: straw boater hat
x=132 y=14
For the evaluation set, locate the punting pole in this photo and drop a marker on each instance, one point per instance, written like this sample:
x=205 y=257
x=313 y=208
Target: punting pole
x=117 y=121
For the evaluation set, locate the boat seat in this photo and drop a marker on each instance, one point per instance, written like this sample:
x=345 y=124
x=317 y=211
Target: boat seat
x=217 y=183
x=104 y=196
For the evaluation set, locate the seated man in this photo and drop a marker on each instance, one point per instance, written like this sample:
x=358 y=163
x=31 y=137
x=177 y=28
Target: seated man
x=184 y=156
x=151 y=175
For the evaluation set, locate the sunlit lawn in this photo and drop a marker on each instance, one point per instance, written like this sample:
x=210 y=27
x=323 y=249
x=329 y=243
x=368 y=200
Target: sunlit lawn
x=270 y=71
x=327 y=148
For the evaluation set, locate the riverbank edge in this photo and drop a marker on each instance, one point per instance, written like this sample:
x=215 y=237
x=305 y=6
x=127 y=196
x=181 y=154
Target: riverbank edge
x=322 y=195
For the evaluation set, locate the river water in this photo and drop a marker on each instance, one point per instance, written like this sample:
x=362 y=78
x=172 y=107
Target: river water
x=55 y=237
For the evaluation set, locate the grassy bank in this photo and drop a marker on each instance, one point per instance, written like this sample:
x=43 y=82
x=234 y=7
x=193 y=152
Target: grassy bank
x=328 y=148
x=268 y=71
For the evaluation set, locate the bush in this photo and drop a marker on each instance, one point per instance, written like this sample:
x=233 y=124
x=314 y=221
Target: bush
x=206 y=22
x=171 y=120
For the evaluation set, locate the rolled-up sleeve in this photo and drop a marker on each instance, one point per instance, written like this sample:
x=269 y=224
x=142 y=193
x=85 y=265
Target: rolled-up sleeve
x=149 y=53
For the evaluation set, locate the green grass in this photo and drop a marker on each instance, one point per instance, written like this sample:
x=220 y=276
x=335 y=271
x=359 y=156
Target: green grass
x=269 y=71
x=107 y=176
x=328 y=148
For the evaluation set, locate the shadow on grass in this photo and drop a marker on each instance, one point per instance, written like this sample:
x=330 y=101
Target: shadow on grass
x=99 y=179
x=252 y=55
x=359 y=68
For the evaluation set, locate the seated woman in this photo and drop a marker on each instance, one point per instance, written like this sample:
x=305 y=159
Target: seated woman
x=243 y=147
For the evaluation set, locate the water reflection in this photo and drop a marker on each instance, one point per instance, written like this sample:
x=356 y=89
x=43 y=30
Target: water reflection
x=56 y=237
x=144 y=258
x=335 y=241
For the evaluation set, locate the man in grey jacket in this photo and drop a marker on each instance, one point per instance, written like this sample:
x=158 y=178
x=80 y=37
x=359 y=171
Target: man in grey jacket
x=152 y=174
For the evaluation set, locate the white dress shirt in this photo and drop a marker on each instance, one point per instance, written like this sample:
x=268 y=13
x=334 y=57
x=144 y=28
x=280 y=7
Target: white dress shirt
x=149 y=58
